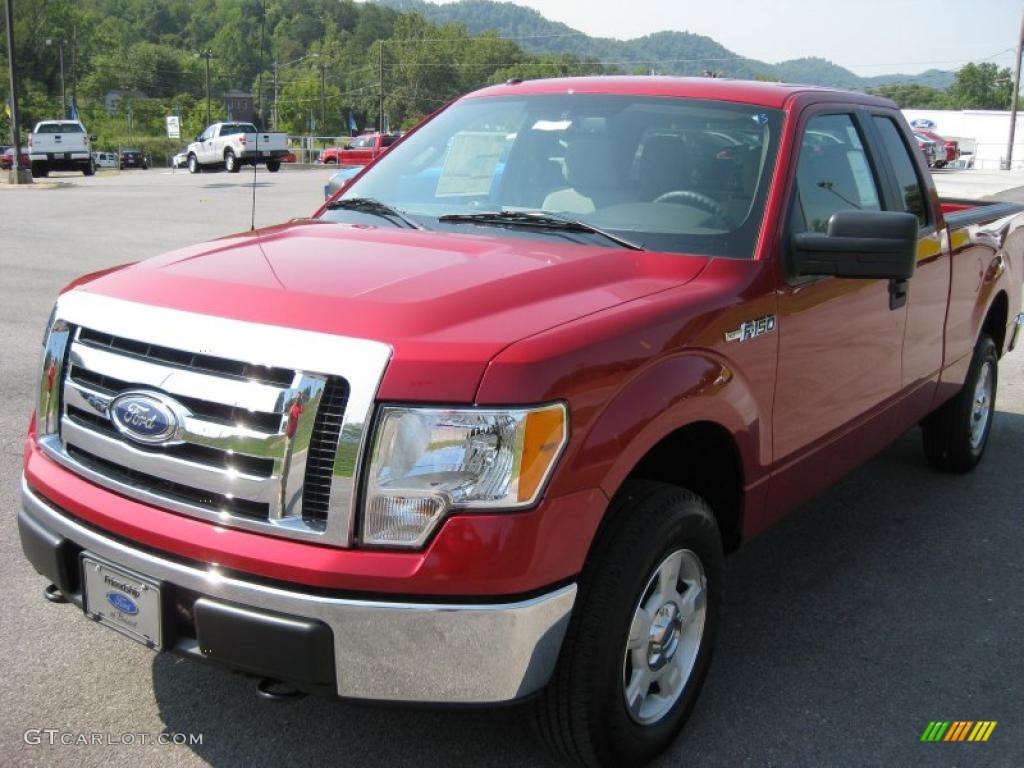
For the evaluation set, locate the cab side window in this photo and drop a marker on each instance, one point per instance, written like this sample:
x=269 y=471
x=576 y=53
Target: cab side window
x=833 y=173
x=911 y=191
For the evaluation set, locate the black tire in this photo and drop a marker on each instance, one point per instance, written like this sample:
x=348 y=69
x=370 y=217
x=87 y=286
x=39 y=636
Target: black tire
x=193 y=164
x=89 y=169
x=582 y=714
x=231 y=164
x=951 y=443
x=273 y=166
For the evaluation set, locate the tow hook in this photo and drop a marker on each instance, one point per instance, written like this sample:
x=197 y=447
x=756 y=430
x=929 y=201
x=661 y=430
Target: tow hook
x=274 y=690
x=53 y=594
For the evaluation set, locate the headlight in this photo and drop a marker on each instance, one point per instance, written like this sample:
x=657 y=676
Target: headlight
x=428 y=461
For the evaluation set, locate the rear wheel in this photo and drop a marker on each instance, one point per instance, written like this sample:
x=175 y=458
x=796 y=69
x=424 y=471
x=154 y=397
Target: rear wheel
x=89 y=169
x=956 y=434
x=639 y=643
x=40 y=171
x=273 y=166
x=231 y=162
x=193 y=164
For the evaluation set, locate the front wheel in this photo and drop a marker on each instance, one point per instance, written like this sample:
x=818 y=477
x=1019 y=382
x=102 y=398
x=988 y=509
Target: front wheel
x=273 y=166
x=193 y=164
x=640 y=640
x=956 y=434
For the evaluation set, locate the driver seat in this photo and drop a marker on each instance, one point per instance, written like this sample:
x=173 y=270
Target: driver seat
x=662 y=167
x=592 y=175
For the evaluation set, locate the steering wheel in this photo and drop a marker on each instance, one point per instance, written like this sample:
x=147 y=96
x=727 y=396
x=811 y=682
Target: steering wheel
x=689 y=197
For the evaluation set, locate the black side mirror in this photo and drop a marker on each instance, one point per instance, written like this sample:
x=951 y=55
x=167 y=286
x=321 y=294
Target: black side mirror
x=875 y=245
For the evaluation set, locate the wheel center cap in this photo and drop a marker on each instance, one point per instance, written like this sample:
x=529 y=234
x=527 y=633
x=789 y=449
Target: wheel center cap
x=663 y=639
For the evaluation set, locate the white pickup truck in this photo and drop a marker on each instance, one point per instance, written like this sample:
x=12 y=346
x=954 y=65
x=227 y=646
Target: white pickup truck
x=234 y=145
x=60 y=145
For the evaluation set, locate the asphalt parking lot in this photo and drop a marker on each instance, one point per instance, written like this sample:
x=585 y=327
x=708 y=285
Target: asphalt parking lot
x=894 y=599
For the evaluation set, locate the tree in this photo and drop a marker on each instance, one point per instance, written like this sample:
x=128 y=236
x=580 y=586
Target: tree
x=982 y=86
x=913 y=96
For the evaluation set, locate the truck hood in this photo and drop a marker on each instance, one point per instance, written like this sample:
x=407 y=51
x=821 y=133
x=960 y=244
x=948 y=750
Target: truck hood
x=446 y=303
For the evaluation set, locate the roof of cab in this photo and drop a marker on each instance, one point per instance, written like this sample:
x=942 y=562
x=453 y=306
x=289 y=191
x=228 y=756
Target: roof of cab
x=773 y=95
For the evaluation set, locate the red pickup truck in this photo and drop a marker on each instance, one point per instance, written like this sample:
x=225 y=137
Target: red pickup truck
x=360 y=151
x=483 y=428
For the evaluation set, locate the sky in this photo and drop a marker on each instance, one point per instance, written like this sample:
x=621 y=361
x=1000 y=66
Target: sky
x=870 y=37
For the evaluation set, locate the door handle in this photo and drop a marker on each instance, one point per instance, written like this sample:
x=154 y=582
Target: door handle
x=898 y=291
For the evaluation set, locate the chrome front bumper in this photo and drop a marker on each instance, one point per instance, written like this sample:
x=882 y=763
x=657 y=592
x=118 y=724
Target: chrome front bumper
x=383 y=650
x=1015 y=334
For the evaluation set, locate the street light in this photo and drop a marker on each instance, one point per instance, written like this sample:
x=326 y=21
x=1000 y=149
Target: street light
x=207 y=54
x=63 y=96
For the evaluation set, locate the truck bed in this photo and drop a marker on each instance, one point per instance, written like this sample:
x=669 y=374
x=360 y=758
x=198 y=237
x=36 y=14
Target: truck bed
x=961 y=212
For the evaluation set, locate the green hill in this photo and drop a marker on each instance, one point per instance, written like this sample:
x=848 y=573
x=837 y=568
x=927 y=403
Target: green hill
x=668 y=52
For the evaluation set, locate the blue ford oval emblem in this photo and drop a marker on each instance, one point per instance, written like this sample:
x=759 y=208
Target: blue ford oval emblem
x=122 y=603
x=145 y=418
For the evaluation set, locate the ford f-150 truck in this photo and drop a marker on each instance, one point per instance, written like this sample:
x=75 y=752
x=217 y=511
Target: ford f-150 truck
x=234 y=145
x=359 y=151
x=482 y=429
x=60 y=145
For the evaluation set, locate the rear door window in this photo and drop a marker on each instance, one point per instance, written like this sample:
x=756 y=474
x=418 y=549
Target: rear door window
x=911 y=190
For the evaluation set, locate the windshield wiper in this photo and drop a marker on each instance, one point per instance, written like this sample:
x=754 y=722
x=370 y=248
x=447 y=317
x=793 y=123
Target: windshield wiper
x=539 y=220
x=373 y=207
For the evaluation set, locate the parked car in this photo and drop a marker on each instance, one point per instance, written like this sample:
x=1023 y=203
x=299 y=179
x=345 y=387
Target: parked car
x=950 y=148
x=289 y=157
x=484 y=428
x=105 y=159
x=60 y=145
x=132 y=158
x=933 y=152
x=360 y=150
x=7 y=159
x=339 y=178
x=234 y=145
x=180 y=160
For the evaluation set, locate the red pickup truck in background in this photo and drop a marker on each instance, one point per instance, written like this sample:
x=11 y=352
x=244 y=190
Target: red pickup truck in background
x=485 y=427
x=360 y=151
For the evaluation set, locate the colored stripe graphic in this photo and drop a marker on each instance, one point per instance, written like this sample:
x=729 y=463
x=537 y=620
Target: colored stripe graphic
x=958 y=730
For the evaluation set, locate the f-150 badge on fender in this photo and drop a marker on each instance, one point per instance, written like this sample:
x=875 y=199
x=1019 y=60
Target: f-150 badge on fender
x=751 y=329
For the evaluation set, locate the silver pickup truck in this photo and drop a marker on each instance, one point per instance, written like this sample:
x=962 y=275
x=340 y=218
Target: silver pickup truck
x=60 y=145
x=234 y=145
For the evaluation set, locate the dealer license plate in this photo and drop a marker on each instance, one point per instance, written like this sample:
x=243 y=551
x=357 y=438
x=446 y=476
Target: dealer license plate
x=123 y=600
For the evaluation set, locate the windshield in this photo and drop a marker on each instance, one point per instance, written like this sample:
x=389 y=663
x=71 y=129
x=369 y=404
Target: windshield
x=671 y=174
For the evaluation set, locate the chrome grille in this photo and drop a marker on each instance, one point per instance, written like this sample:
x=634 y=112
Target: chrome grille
x=270 y=421
x=246 y=437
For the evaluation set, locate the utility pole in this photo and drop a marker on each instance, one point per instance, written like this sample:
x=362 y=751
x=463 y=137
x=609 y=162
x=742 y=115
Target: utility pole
x=74 y=67
x=323 y=113
x=63 y=94
x=1016 y=92
x=380 y=84
x=274 y=116
x=207 y=54
x=18 y=175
